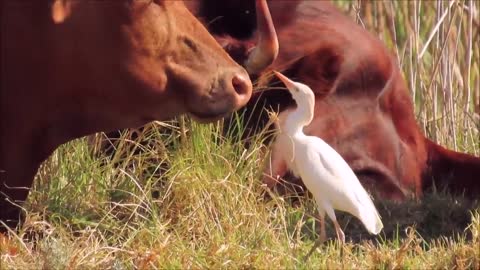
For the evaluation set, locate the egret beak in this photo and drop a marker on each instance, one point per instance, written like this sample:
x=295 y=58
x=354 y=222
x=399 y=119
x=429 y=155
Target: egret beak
x=288 y=83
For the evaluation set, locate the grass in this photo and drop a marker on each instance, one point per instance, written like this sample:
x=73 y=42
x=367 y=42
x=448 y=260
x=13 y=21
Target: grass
x=193 y=199
x=208 y=210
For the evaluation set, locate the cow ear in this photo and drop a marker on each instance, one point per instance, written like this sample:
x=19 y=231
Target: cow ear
x=61 y=10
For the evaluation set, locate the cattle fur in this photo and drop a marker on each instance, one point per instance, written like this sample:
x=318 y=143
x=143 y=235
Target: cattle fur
x=363 y=105
x=73 y=68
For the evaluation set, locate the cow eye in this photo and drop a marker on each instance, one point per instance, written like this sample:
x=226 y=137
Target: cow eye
x=189 y=43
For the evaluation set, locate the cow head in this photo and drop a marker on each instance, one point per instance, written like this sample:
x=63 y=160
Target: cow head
x=162 y=53
x=363 y=108
x=363 y=105
x=90 y=66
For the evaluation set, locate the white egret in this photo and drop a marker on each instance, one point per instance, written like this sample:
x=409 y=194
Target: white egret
x=324 y=172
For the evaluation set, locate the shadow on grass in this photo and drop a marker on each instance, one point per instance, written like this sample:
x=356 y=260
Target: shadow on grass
x=436 y=215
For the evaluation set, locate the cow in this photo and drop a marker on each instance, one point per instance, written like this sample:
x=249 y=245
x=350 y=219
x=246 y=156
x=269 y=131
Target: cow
x=363 y=106
x=71 y=68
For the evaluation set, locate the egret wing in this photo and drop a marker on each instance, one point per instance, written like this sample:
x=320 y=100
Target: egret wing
x=343 y=179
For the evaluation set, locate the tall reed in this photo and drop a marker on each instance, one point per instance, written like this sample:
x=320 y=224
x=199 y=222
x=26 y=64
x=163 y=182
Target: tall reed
x=437 y=44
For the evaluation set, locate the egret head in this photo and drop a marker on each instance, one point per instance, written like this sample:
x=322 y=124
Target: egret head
x=301 y=93
x=303 y=96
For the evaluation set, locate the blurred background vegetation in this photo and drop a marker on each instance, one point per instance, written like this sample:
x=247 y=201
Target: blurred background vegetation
x=437 y=44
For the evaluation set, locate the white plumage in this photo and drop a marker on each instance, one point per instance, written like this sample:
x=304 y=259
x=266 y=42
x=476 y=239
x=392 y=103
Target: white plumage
x=323 y=171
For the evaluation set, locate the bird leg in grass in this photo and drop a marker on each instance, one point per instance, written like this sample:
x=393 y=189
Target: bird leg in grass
x=323 y=233
x=331 y=214
x=322 y=236
x=338 y=230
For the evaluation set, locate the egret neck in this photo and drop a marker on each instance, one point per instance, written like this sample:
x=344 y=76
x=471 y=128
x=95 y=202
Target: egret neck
x=298 y=118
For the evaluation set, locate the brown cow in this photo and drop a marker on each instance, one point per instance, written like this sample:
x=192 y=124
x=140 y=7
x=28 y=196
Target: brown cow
x=363 y=107
x=72 y=68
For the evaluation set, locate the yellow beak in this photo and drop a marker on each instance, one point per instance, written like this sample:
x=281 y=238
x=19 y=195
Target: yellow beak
x=288 y=83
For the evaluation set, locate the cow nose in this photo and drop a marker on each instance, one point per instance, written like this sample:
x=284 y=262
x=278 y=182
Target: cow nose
x=242 y=86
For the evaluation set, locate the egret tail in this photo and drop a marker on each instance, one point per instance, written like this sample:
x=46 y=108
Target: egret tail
x=371 y=220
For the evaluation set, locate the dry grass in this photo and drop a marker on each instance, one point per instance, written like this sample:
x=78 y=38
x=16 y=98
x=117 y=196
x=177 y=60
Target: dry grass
x=437 y=44
x=208 y=210
x=193 y=199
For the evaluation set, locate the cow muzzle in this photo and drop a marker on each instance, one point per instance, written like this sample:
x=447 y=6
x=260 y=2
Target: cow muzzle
x=231 y=91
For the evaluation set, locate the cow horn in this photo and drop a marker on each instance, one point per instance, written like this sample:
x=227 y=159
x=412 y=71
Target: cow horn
x=266 y=49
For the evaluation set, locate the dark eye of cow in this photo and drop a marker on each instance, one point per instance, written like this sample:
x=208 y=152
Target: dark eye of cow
x=190 y=44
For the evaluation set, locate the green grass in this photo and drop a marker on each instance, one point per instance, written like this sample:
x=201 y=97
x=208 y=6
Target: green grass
x=193 y=199
x=208 y=209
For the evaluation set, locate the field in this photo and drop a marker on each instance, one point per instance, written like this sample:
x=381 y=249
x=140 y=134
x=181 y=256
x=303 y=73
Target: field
x=193 y=199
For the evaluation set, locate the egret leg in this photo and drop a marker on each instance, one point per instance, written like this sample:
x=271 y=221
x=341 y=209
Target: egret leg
x=323 y=234
x=340 y=233
x=338 y=229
